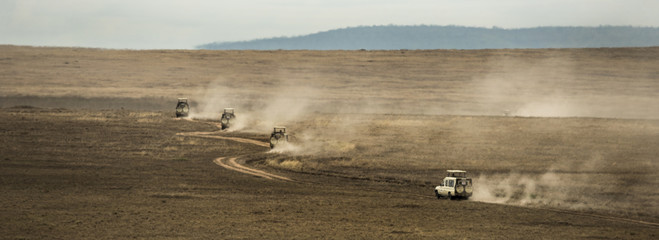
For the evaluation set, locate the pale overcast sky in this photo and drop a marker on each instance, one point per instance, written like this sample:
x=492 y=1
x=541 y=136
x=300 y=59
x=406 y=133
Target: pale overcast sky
x=183 y=24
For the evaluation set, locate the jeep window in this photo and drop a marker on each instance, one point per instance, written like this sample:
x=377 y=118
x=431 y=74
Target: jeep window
x=451 y=182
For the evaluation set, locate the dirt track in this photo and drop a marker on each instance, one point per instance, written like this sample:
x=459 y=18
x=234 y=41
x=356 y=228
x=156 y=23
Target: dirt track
x=237 y=139
x=231 y=163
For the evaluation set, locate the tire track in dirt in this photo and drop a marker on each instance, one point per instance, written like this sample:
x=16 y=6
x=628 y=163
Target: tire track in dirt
x=231 y=163
x=235 y=139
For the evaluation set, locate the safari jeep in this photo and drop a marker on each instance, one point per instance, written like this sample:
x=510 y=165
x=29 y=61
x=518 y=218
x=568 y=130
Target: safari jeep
x=182 y=107
x=278 y=137
x=455 y=185
x=227 y=117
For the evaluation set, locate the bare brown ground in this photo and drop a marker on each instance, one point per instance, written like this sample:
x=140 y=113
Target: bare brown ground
x=120 y=174
x=74 y=173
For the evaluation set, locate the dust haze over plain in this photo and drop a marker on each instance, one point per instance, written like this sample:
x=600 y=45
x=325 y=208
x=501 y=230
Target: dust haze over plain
x=555 y=86
x=151 y=24
x=551 y=87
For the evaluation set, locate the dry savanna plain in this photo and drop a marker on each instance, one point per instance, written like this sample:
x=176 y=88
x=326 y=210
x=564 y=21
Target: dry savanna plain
x=560 y=143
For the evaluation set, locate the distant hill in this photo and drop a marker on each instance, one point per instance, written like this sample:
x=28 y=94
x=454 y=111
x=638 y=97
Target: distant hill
x=454 y=37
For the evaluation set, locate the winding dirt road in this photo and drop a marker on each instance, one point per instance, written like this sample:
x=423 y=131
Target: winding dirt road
x=237 y=139
x=232 y=163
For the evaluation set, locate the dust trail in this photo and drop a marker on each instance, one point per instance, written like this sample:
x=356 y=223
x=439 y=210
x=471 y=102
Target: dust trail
x=519 y=189
x=323 y=135
x=285 y=104
x=282 y=103
x=582 y=186
x=285 y=148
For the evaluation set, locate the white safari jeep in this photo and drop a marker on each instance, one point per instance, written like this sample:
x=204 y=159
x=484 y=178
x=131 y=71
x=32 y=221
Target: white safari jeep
x=455 y=185
x=227 y=117
x=278 y=137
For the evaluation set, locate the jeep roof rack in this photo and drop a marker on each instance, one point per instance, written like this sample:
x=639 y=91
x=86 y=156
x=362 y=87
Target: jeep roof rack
x=456 y=173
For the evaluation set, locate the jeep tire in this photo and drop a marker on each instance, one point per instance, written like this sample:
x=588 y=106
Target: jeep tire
x=182 y=109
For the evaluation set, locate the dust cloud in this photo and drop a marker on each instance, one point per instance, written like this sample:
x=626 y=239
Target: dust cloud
x=253 y=113
x=314 y=141
x=576 y=186
x=558 y=86
x=552 y=85
x=284 y=105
